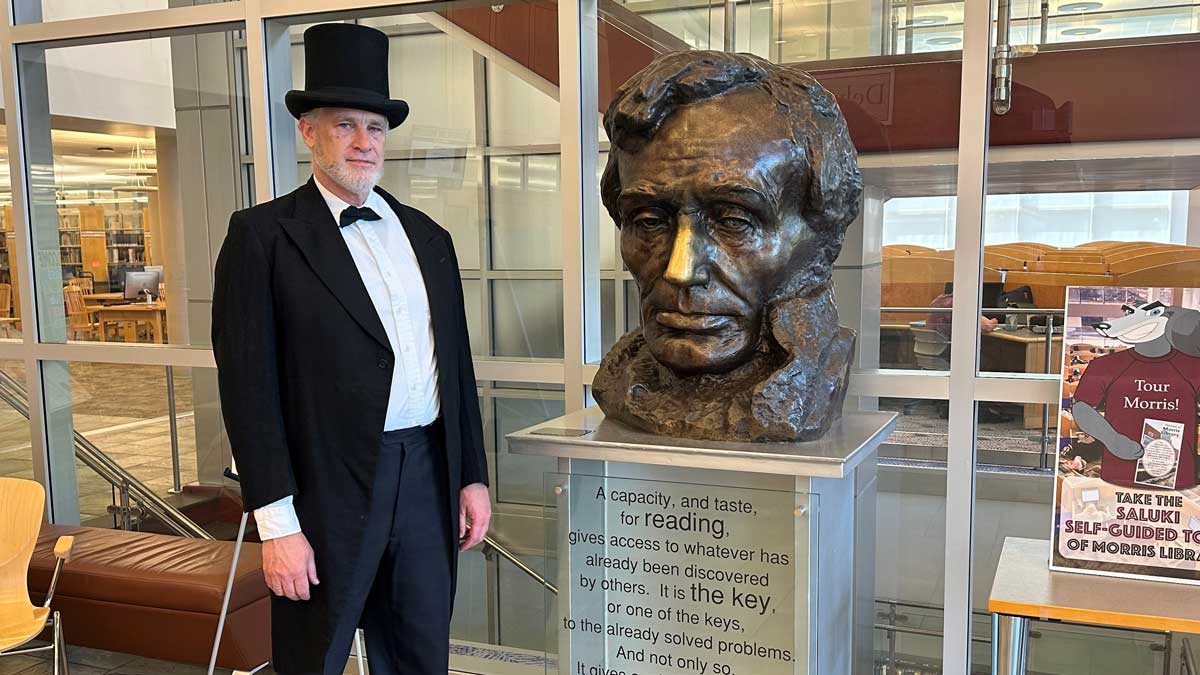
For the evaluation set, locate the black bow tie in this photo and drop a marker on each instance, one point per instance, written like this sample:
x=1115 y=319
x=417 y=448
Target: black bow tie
x=353 y=214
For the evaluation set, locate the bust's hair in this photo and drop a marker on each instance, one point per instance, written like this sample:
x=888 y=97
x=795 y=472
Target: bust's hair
x=831 y=183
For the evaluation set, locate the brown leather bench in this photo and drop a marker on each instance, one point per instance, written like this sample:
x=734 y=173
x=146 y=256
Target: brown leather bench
x=156 y=596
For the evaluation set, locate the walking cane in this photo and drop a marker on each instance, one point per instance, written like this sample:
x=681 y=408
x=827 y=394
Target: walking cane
x=237 y=551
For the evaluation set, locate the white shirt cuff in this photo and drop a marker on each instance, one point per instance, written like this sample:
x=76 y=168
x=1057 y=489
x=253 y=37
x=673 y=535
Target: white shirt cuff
x=277 y=519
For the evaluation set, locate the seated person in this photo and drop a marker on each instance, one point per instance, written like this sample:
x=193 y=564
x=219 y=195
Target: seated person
x=941 y=321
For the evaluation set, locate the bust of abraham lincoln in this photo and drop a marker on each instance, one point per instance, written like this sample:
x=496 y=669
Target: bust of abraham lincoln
x=732 y=181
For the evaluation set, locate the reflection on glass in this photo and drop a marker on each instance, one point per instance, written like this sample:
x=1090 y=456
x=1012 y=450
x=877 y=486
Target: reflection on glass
x=473 y=305
x=519 y=477
x=33 y=11
x=937 y=26
x=526 y=213
x=143 y=138
x=527 y=319
x=10 y=305
x=608 y=312
x=478 y=154
x=16 y=458
x=141 y=418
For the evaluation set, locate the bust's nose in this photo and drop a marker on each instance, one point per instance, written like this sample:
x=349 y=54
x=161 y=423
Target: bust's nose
x=688 y=265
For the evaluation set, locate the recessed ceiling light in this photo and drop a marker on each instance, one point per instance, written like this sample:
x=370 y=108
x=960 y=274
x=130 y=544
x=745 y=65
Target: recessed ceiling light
x=105 y=148
x=1076 y=32
x=931 y=20
x=1080 y=7
x=943 y=41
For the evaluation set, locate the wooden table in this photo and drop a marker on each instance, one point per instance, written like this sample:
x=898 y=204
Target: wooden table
x=104 y=298
x=1022 y=351
x=155 y=314
x=1024 y=588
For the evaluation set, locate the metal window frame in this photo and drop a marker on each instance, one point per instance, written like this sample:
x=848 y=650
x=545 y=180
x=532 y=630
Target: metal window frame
x=962 y=385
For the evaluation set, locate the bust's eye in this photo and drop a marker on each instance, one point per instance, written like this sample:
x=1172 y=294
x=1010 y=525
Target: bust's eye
x=734 y=222
x=737 y=226
x=650 y=220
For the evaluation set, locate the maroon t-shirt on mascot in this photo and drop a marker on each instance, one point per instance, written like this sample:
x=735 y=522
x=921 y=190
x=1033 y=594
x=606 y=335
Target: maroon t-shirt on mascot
x=1129 y=388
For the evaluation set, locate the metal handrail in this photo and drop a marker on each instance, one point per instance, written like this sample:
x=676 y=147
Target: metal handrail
x=490 y=544
x=14 y=394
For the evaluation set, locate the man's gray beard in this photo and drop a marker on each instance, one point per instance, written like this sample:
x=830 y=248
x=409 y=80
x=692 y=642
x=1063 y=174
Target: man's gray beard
x=348 y=179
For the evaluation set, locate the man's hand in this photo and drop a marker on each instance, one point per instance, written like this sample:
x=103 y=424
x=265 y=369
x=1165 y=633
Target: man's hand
x=474 y=515
x=289 y=566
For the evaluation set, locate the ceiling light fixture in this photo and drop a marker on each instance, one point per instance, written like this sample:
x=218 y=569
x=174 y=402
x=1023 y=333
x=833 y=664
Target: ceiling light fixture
x=1079 y=32
x=931 y=20
x=1077 y=7
x=943 y=41
x=139 y=171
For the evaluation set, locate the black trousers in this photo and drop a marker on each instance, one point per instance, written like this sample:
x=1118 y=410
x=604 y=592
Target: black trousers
x=403 y=575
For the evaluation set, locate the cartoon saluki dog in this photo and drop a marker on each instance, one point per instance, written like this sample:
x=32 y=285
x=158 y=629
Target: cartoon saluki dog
x=1154 y=329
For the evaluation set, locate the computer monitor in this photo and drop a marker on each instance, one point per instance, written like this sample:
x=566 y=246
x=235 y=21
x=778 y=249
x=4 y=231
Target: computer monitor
x=990 y=296
x=137 y=281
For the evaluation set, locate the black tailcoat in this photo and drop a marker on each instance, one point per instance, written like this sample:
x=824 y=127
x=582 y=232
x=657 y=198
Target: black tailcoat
x=305 y=371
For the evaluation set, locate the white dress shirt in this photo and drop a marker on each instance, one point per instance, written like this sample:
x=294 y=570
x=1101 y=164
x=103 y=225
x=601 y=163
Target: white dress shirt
x=389 y=270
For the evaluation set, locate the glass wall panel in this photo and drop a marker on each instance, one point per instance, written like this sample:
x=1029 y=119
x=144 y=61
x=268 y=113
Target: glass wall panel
x=478 y=154
x=519 y=477
x=33 y=11
x=143 y=148
x=526 y=213
x=1076 y=199
x=1062 y=212
x=527 y=319
x=937 y=26
x=16 y=455
x=141 y=434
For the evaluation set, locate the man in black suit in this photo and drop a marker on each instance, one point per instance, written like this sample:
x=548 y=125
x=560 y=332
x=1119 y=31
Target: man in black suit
x=347 y=386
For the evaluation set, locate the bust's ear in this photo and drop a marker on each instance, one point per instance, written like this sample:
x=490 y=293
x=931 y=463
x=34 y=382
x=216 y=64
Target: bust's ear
x=834 y=183
x=610 y=186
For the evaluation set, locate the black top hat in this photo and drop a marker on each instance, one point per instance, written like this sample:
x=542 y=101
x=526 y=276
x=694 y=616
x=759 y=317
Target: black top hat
x=346 y=66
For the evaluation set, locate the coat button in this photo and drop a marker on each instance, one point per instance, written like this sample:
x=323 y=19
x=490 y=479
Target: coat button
x=383 y=364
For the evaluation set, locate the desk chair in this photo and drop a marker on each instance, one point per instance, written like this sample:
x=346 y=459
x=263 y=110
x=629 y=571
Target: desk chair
x=5 y=300
x=931 y=348
x=21 y=504
x=79 y=316
x=932 y=352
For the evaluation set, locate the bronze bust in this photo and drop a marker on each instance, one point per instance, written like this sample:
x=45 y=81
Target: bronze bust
x=733 y=181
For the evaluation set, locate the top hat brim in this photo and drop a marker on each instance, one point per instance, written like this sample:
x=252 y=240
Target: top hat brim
x=301 y=101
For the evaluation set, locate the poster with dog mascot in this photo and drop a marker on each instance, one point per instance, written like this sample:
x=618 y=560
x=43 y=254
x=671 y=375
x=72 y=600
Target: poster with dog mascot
x=1126 y=498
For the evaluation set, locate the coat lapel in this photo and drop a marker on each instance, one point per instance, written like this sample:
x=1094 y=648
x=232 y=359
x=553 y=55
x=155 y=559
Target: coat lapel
x=316 y=234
